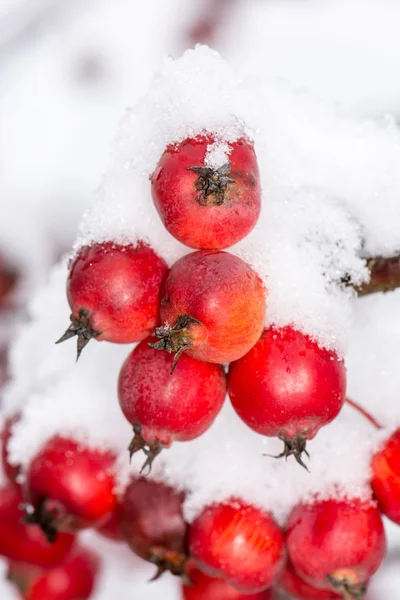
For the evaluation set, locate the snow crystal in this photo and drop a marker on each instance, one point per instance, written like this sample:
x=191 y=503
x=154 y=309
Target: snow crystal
x=123 y=575
x=217 y=154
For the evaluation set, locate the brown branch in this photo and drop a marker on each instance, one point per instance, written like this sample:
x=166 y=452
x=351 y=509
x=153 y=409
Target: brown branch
x=385 y=275
x=364 y=413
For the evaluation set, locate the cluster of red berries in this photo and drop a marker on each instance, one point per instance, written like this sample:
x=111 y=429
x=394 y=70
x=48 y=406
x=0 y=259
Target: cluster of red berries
x=208 y=310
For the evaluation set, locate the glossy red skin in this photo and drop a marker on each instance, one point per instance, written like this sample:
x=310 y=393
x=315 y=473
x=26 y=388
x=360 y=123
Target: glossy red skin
x=152 y=518
x=27 y=542
x=178 y=407
x=385 y=481
x=222 y=292
x=291 y=583
x=10 y=470
x=239 y=542
x=74 y=579
x=77 y=477
x=120 y=287
x=211 y=588
x=177 y=200
x=333 y=535
x=287 y=385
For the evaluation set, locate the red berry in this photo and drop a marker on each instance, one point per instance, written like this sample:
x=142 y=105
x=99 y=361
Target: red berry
x=10 y=470
x=210 y=588
x=287 y=386
x=204 y=207
x=212 y=307
x=27 y=542
x=386 y=477
x=70 y=486
x=239 y=542
x=153 y=525
x=114 y=293
x=163 y=409
x=336 y=544
x=74 y=579
x=291 y=583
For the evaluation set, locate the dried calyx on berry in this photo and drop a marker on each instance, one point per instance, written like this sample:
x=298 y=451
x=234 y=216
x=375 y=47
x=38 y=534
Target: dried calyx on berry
x=295 y=446
x=176 y=339
x=348 y=590
x=153 y=525
x=80 y=327
x=150 y=449
x=164 y=409
x=51 y=516
x=212 y=183
x=114 y=293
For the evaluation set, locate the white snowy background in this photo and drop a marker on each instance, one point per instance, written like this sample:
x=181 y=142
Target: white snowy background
x=316 y=83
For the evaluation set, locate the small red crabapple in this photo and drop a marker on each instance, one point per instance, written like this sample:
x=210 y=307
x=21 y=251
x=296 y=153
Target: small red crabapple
x=70 y=486
x=205 y=207
x=164 y=409
x=336 y=544
x=385 y=481
x=287 y=386
x=72 y=580
x=27 y=543
x=212 y=307
x=238 y=542
x=114 y=293
x=153 y=525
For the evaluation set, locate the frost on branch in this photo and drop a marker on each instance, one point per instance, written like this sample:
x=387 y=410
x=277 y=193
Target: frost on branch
x=330 y=196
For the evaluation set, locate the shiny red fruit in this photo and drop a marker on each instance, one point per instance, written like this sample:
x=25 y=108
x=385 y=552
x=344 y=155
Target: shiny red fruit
x=212 y=307
x=240 y=543
x=164 y=409
x=298 y=589
x=10 y=470
x=74 y=579
x=205 y=207
x=386 y=477
x=27 y=543
x=212 y=588
x=153 y=525
x=70 y=486
x=287 y=386
x=336 y=544
x=114 y=293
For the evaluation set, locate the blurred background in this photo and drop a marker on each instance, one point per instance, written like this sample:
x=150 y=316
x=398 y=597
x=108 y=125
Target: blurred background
x=69 y=69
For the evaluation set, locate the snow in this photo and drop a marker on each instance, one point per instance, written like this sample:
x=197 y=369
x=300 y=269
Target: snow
x=330 y=184
x=7 y=590
x=124 y=575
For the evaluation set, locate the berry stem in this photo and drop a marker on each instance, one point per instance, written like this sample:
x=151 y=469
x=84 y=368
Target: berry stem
x=295 y=446
x=364 y=413
x=150 y=449
x=176 y=339
x=385 y=275
x=81 y=328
